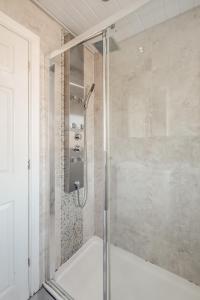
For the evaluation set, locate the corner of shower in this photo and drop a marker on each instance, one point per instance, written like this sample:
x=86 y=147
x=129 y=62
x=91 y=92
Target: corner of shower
x=73 y=93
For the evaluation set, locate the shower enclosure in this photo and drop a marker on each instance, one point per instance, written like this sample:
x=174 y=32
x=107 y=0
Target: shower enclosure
x=137 y=236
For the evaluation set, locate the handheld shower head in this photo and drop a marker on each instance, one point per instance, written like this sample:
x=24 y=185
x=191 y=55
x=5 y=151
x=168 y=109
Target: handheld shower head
x=87 y=98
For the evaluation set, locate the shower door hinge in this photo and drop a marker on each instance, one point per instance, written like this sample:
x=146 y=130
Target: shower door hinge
x=29 y=261
x=29 y=164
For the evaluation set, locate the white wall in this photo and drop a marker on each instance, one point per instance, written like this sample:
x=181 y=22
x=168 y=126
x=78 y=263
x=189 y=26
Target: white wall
x=30 y=16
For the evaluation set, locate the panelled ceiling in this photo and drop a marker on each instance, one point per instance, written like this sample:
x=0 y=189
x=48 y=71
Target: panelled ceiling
x=80 y=15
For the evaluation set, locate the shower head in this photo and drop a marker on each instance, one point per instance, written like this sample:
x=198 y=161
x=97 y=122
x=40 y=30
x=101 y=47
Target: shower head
x=112 y=43
x=87 y=98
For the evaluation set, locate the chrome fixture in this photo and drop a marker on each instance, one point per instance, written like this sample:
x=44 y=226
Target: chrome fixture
x=76 y=148
x=87 y=98
x=85 y=181
x=77 y=136
x=113 y=46
x=74 y=119
x=76 y=103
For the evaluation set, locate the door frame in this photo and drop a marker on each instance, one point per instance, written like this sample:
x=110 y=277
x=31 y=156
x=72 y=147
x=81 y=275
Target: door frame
x=33 y=148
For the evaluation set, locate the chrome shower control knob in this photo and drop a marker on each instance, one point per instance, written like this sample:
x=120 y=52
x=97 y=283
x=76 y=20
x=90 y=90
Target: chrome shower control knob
x=76 y=148
x=77 y=136
x=74 y=126
x=73 y=159
x=77 y=184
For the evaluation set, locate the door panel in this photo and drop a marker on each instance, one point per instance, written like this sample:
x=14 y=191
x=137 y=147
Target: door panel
x=13 y=166
x=6 y=252
x=6 y=58
x=6 y=123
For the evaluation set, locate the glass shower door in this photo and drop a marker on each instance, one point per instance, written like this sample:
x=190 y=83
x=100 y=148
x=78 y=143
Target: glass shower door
x=75 y=239
x=154 y=148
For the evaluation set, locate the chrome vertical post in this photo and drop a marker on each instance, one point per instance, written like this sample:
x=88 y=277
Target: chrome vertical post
x=106 y=242
x=51 y=245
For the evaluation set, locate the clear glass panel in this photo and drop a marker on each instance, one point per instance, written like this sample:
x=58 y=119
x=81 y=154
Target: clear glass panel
x=155 y=153
x=77 y=168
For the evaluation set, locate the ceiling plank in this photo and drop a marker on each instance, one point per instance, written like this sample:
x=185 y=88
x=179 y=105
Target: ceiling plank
x=81 y=15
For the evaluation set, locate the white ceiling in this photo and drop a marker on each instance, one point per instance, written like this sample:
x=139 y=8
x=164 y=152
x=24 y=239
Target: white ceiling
x=156 y=12
x=80 y=15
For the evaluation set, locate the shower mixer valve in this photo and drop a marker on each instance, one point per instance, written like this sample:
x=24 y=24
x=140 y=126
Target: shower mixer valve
x=74 y=126
x=76 y=148
x=77 y=184
x=77 y=136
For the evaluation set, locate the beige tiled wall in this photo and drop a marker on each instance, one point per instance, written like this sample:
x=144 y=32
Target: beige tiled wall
x=155 y=145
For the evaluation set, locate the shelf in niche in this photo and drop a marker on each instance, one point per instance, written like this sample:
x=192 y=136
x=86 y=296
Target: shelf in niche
x=74 y=84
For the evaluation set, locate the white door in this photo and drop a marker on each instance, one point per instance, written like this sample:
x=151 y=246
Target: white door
x=13 y=166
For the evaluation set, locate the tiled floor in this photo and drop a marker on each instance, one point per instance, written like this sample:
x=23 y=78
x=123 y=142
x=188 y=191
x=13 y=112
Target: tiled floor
x=42 y=295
